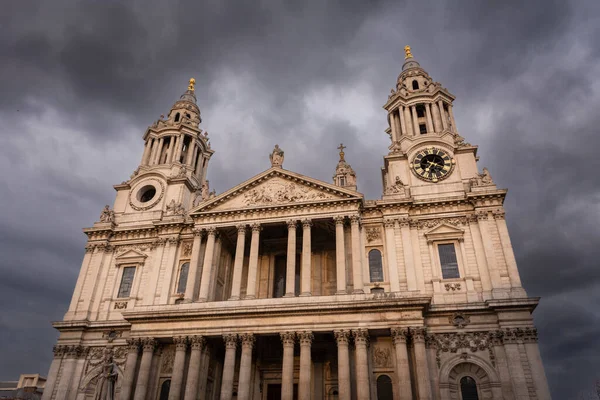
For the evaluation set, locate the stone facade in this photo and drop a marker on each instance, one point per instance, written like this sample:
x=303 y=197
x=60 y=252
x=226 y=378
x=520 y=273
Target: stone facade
x=289 y=287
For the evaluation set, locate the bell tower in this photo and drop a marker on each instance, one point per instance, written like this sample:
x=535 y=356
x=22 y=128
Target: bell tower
x=171 y=177
x=428 y=159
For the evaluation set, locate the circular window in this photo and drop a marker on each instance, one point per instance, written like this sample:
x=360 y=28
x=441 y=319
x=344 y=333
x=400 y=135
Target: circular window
x=146 y=194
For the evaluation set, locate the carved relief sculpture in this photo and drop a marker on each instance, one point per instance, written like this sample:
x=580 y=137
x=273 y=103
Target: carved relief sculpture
x=107 y=215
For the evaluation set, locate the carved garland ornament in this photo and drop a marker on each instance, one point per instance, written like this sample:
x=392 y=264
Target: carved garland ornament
x=282 y=193
x=373 y=234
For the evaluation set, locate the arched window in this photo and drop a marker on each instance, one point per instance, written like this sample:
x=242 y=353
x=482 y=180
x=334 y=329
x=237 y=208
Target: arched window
x=164 y=390
x=415 y=85
x=177 y=117
x=384 y=388
x=468 y=388
x=375 y=266
x=183 y=276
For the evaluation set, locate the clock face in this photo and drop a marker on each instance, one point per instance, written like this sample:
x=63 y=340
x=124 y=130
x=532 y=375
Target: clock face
x=432 y=164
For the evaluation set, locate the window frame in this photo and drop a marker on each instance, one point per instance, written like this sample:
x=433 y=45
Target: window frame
x=131 y=258
x=383 y=275
x=120 y=280
x=177 y=281
x=458 y=250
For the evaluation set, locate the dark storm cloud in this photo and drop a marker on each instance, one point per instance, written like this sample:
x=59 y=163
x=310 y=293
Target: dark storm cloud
x=81 y=80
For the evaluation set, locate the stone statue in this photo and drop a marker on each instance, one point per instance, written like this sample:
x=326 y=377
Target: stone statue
x=397 y=187
x=107 y=215
x=276 y=157
x=483 y=179
x=107 y=380
x=174 y=208
x=205 y=191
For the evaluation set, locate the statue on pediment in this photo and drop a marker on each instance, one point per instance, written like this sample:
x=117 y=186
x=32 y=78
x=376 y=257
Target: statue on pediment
x=107 y=215
x=276 y=157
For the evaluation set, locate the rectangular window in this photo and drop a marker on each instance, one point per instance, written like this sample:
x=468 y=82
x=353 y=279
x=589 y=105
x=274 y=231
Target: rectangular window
x=126 y=282
x=448 y=261
x=422 y=129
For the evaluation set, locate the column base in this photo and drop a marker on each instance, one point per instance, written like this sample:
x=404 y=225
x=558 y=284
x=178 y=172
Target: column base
x=249 y=297
x=305 y=294
x=234 y=298
x=289 y=295
x=358 y=291
x=201 y=300
x=341 y=292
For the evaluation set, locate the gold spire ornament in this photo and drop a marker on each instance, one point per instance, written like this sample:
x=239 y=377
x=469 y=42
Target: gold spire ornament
x=192 y=84
x=407 y=52
x=341 y=149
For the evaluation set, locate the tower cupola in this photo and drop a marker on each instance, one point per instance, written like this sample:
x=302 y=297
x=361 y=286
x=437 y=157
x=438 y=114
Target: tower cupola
x=344 y=174
x=185 y=110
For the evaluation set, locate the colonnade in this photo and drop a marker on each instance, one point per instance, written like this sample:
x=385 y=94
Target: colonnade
x=438 y=117
x=187 y=384
x=305 y=276
x=155 y=153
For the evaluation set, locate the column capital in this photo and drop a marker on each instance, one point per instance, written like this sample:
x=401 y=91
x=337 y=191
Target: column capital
x=288 y=338
x=148 y=344
x=361 y=336
x=241 y=228
x=133 y=344
x=211 y=231
x=339 y=219
x=292 y=224
x=399 y=335
x=389 y=223
x=481 y=215
x=305 y=338
x=180 y=342
x=58 y=351
x=256 y=227
x=355 y=219
x=498 y=214
x=197 y=232
x=418 y=334
x=342 y=336
x=197 y=342
x=231 y=340
x=306 y=223
x=404 y=222
x=247 y=339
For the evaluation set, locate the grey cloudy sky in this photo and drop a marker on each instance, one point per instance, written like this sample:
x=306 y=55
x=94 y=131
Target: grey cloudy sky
x=81 y=80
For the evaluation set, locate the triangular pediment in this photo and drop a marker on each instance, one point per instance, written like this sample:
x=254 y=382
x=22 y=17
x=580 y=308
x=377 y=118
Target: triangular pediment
x=130 y=255
x=276 y=187
x=444 y=231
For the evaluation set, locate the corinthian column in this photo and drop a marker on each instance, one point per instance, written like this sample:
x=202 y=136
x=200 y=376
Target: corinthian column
x=207 y=267
x=509 y=255
x=342 y=337
x=443 y=114
x=53 y=373
x=392 y=261
x=306 y=259
x=415 y=120
x=340 y=255
x=287 y=370
x=239 y=263
x=228 y=366
x=422 y=370
x=361 y=341
x=178 y=367
x=399 y=336
x=191 y=386
x=304 y=384
x=133 y=346
x=69 y=361
x=290 y=274
x=357 y=272
x=190 y=286
x=253 y=264
x=141 y=388
x=245 y=366
x=530 y=340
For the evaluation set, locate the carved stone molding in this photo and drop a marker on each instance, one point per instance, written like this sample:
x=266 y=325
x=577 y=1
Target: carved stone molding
x=498 y=214
x=459 y=320
x=198 y=232
x=211 y=231
x=120 y=305
x=181 y=342
x=186 y=249
x=399 y=335
x=247 y=339
x=518 y=335
x=404 y=222
x=231 y=340
x=342 y=337
x=305 y=338
x=455 y=287
x=241 y=228
x=382 y=357
x=167 y=361
x=373 y=234
x=133 y=345
x=197 y=342
x=111 y=335
x=481 y=215
x=173 y=240
x=280 y=191
x=288 y=338
x=389 y=223
x=454 y=342
x=159 y=242
x=138 y=247
x=361 y=336
x=432 y=223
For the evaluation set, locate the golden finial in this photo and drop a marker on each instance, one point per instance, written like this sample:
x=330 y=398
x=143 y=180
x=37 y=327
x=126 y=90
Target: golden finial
x=341 y=149
x=407 y=52
x=192 y=83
